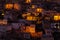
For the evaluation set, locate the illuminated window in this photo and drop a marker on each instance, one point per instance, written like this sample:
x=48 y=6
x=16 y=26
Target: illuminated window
x=30 y=29
x=59 y=17
x=56 y=17
x=31 y=18
x=39 y=10
x=28 y=1
x=9 y=6
x=33 y=6
x=3 y=21
x=16 y=6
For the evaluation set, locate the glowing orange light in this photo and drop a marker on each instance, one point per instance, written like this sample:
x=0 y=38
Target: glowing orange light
x=39 y=10
x=59 y=17
x=30 y=29
x=31 y=18
x=9 y=6
x=28 y=1
x=56 y=17
x=3 y=21
x=37 y=34
x=16 y=6
x=23 y=15
x=33 y=6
